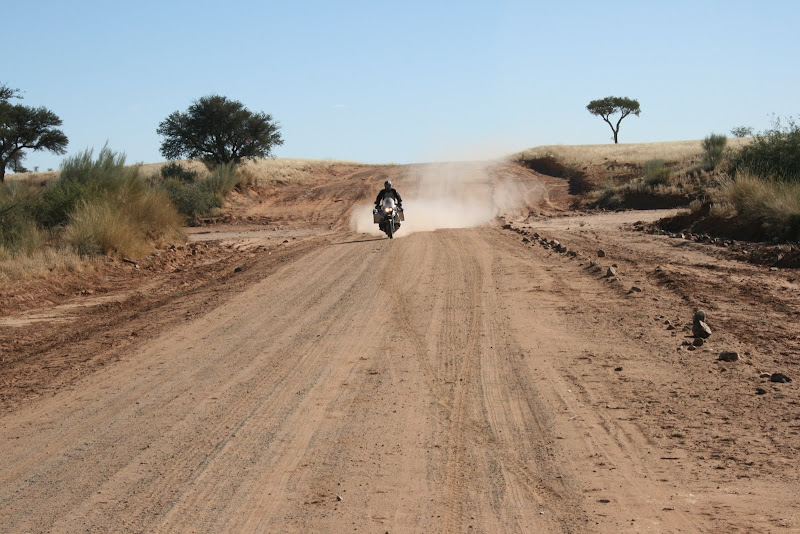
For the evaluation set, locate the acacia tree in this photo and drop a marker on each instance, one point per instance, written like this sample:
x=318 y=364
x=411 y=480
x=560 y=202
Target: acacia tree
x=25 y=128
x=609 y=105
x=217 y=130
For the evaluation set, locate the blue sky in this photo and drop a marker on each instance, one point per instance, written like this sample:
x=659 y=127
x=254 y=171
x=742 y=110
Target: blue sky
x=404 y=81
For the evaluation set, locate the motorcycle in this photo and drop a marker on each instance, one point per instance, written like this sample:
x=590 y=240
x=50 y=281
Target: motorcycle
x=388 y=217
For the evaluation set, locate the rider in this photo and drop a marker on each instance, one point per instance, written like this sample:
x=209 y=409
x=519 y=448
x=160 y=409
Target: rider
x=388 y=190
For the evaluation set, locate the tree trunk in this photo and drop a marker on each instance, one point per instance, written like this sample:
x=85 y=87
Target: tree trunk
x=2 y=174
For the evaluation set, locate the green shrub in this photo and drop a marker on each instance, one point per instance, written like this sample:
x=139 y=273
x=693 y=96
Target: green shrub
x=713 y=151
x=191 y=199
x=97 y=206
x=609 y=197
x=774 y=152
x=202 y=196
x=742 y=131
x=84 y=178
x=173 y=169
x=18 y=229
x=656 y=172
x=58 y=201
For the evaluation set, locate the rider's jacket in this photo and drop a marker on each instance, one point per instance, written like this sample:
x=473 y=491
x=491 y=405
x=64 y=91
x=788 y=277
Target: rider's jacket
x=391 y=192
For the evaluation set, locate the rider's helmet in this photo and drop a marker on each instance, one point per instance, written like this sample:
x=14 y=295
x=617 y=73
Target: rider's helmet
x=387 y=184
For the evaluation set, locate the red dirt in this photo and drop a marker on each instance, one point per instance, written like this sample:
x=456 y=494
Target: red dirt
x=283 y=373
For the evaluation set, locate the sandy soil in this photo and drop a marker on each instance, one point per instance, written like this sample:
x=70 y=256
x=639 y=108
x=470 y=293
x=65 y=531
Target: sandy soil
x=293 y=371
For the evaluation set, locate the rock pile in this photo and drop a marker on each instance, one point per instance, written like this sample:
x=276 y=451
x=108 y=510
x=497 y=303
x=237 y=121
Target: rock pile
x=699 y=327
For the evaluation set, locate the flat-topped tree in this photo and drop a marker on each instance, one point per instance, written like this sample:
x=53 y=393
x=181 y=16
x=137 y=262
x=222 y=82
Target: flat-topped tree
x=216 y=130
x=609 y=105
x=25 y=128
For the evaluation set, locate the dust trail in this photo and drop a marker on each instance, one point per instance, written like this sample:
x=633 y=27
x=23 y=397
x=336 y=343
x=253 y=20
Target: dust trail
x=447 y=195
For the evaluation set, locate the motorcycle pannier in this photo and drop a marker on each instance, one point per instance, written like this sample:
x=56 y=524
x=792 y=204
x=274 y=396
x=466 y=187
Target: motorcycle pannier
x=376 y=216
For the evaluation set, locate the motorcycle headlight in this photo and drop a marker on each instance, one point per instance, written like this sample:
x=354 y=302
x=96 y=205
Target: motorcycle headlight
x=387 y=210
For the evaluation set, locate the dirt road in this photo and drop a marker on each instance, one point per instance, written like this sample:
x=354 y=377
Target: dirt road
x=454 y=380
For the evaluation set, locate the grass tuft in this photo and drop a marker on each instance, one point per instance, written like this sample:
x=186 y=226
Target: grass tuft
x=772 y=205
x=713 y=151
x=98 y=227
x=656 y=172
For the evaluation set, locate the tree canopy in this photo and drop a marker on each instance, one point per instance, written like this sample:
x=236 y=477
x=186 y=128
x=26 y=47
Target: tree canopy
x=25 y=128
x=609 y=105
x=217 y=130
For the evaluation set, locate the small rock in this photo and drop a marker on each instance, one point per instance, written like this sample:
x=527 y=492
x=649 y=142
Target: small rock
x=238 y=270
x=611 y=272
x=764 y=375
x=618 y=369
x=525 y=239
x=339 y=498
x=699 y=315
x=760 y=391
x=601 y=253
x=536 y=235
x=773 y=269
x=701 y=329
x=730 y=356
x=698 y=342
x=780 y=378
x=636 y=289
x=691 y=347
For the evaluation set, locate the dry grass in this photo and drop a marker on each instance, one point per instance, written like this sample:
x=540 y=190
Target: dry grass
x=102 y=228
x=775 y=204
x=34 y=176
x=262 y=171
x=628 y=153
x=41 y=263
x=286 y=170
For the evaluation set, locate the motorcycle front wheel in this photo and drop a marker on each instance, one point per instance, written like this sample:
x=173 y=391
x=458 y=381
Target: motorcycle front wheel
x=389 y=229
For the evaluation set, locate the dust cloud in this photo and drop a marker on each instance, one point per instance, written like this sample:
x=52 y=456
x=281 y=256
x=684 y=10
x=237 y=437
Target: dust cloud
x=447 y=195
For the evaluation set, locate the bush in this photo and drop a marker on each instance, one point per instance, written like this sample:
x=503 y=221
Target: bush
x=98 y=206
x=85 y=179
x=774 y=152
x=173 y=169
x=742 y=131
x=713 y=151
x=202 y=196
x=656 y=173
x=191 y=199
x=101 y=228
x=18 y=230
